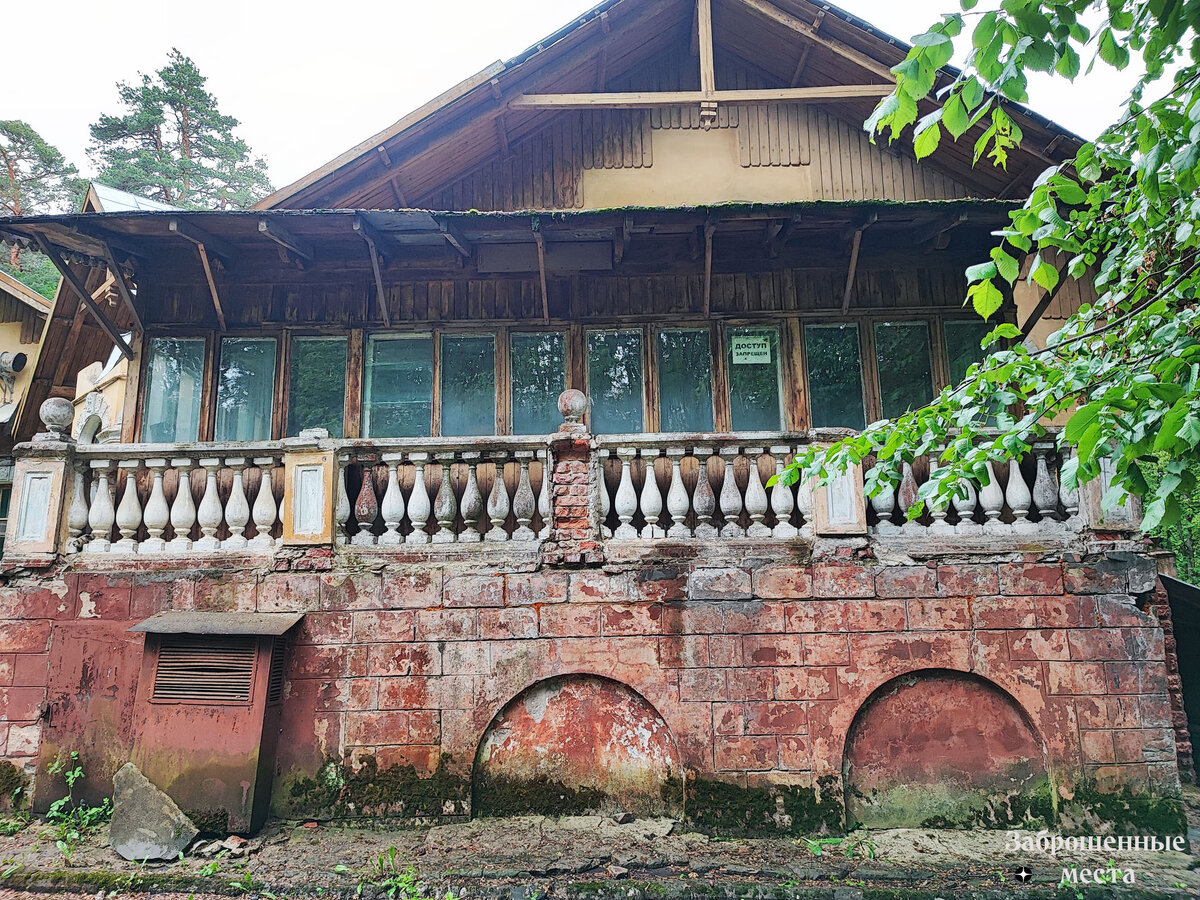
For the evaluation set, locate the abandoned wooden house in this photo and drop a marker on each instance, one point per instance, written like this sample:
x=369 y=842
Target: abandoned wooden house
x=445 y=471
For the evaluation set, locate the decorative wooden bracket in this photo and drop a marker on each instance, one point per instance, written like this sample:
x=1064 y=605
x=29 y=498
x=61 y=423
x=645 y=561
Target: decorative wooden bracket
x=621 y=238
x=374 y=240
x=710 y=228
x=296 y=247
x=855 y=245
x=84 y=295
x=455 y=239
x=540 y=239
x=118 y=274
x=205 y=243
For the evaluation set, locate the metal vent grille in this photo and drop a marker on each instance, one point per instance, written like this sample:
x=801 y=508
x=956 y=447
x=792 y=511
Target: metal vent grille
x=205 y=670
x=278 y=670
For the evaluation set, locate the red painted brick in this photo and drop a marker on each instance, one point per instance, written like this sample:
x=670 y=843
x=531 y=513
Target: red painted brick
x=1100 y=579
x=772 y=650
x=837 y=580
x=32 y=636
x=815 y=615
x=625 y=619
x=744 y=754
x=341 y=694
x=729 y=718
x=289 y=593
x=683 y=651
x=1098 y=643
x=725 y=650
x=1136 y=677
x=217 y=593
x=967 y=580
x=875 y=615
x=906 y=581
x=422 y=757
x=8 y=665
x=1097 y=746
x=754 y=618
x=1065 y=612
x=153 y=594
x=1004 y=612
x=1118 y=610
x=504 y=624
x=1075 y=678
x=720 y=584
x=325 y=628
x=783 y=582
x=417 y=589
x=826 y=650
x=474 y=590
x=22 y=704
x=32 y=600
x=795 y=753
x=373 y=728
x=806 y=684
x=410 y=693
x=104 y=596
x=750 y=684
x=1045 y=644
x=350 y=592
x=939 y=614
x=384 y=626
x=702 y=685
x=404 y=659
x=569 y=620
x=597 y=586
x=660 y=585
x=1027 y=579
x=776 y=717
x=1138 y=745
x=445 y=624
x=467 y=658
x=535 y=588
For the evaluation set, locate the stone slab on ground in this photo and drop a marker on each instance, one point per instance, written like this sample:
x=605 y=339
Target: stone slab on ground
x=146 y=823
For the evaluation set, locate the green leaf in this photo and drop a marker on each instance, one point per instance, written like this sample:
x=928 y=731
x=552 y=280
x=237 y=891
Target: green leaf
x=1045 y=275
x=986 y=298
x=1083 y=419
x=1009 y=268
x=981 y=271
x=930 y=39
x=1069 y=190
x=926 y=142
x=954 y=116
x=1003 y=331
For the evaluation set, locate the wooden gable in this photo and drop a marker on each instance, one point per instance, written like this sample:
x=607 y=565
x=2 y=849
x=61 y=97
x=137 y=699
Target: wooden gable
x=500 y=141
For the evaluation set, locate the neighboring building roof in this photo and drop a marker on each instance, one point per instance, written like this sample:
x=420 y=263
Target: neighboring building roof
x=103 y=198
x=23 y=293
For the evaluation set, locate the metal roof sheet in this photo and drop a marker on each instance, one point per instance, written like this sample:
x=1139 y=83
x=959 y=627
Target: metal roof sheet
x=254 y=623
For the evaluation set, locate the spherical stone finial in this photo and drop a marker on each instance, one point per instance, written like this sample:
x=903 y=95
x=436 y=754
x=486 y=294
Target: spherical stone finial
x=572 y=404
x=56 y=414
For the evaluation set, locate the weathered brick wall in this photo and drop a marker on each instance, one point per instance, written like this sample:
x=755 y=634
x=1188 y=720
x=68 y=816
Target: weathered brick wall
x=758 y=668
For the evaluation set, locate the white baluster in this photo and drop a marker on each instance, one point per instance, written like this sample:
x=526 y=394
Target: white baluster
x=991 y=498
x=731 y=497
x=183 y=508
x=497 y=505
x=523 y=503
x=651 y=499
x=77 y=512
x=605 y=499
x=210 y=514
x=804 y=504
x=1070 y=502
x=938 y=507
x=543 y=503
x=445 y=507
x=157 y=513
x=1019 y=498
x=906 y=496
x=472 y=501
x=626 y=499
x=237 y=509
x=129 y=512
x=419 y=506
x=265 y=508
x=756 y=497
x=883 y=501
x=1045 y=487
x=342 y=511
x=677 y=498
x=965 y=502
x=392 y=505
x=101 y=515
x=704 y=501
x=782 y=502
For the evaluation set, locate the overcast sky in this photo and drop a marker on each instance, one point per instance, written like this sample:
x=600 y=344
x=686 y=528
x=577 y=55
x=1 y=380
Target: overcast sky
x=309 y=80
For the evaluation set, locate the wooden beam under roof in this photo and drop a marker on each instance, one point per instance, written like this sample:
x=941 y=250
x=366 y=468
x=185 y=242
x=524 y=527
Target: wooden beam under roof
x=806 y=50
x=201 y=239
x=708 y=77
x=540 y=239
x=294 y=244
x=84 y=295
x=372 y=238
x=710 y=228
x=122 y=285
x=219 y=247
x=652 y=99
x=855 y=246
x=455 y=239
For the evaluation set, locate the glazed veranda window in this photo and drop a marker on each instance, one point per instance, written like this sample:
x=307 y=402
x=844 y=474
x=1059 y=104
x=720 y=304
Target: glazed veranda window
x=175 y=384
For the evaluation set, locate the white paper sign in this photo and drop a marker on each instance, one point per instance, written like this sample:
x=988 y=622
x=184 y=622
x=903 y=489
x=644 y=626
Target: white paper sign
x=750 y=350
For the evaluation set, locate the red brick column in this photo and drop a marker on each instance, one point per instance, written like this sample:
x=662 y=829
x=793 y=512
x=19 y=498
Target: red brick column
x=574 y=489
x=1160 y=608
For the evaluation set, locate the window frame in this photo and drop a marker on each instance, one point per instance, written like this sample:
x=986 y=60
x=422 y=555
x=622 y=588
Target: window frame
x=286 y=365
x=649 y=402
x=504 y=399
x=653 y=387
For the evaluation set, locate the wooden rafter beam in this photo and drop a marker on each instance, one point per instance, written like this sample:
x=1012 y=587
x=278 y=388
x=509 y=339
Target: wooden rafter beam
x=200 y=238
x=852 y=270
x=621 y=238
x=384 y=245
x=777 y=15
x=455 y=239
x=540 y=239
x=107 y=246
x=372 y=238
x=807 y=49
x=709 y=228
x=937 y=233
x=652 y=99
x=708 y=77
x=292 y=243
x=83 y=294
x=602 y=56
x=219 y=247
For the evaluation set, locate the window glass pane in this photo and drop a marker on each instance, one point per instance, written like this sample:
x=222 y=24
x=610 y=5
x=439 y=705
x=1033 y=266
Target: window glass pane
x=834 y=376
x=615 y=381
x=399 y=386
x=468 y=384
x=539 y=366
x=317 y=385
x=905 y=374
x=754 y=379
x=685 y=380
x=962 y=346
x=175 y=377
x=246 y=389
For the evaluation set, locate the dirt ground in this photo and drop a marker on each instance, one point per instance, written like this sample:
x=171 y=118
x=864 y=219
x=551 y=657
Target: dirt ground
x=588 y=858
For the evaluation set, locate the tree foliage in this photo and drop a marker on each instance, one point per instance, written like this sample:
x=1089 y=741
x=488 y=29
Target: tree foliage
x=1126 y=369
x=171 y=143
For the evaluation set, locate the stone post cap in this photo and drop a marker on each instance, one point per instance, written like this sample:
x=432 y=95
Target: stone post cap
x=572 y=404
x=56 y=414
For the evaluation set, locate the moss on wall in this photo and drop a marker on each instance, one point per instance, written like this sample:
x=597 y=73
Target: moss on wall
x=342 y=790
x=720 y=807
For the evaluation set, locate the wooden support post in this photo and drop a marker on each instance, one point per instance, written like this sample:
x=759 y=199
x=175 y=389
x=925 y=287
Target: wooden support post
x=621 y=238
x=82 y=292
x=371 y=237
x=936 y=234
x=709 y=228
x=297 y=247
x=602 y=56
x=855 y=246
x=212 y=286
x=541 y=252
x=708 y=78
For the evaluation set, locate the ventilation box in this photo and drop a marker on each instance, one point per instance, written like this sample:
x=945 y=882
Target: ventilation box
x=208 y=712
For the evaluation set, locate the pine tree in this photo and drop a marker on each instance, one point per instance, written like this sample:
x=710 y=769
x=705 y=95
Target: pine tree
x=172 y=144
x=34 y=178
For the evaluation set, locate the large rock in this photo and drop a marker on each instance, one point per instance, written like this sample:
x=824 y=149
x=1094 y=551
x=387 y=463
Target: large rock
x=146 y=823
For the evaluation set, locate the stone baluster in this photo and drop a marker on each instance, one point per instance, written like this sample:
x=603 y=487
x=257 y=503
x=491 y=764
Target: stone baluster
x=704 y=501
x=756 y=497
x=626 y=499
x=782 y=502
x=419 y=507
x=523 y=501
x=209 y=514
x=1018 y=497
x=677 y=498
x=543 y=501
x=938 y=507
x=183 y=508
x=991 y=498
x=731 y=497
x=265 y=508
x=77 y=512
x=445 y=506
x=1070 y=502
x=472 y=501
x=342 y=509
x=366 y=508
x=101 y=515
x=883 y=501
x=1045 y=487
x=651 y=499
x=804 y=504
x=392 y=505
x=237 y=508
x=129 y=511
x=157 y=514
x=497 y=505
x=965 y=501
x=605 y=501
x=906 y=496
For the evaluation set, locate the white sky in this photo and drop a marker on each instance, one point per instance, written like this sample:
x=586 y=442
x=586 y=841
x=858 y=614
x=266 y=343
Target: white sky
x=308 y=80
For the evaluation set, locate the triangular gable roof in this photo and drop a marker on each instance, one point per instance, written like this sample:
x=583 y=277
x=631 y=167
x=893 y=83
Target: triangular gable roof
x=472 y=124
x=102 y=198
x=24 y=294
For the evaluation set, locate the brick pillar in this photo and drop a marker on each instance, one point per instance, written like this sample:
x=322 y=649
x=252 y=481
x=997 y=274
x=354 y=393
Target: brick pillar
x=574 y=490
x=1160 y=607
